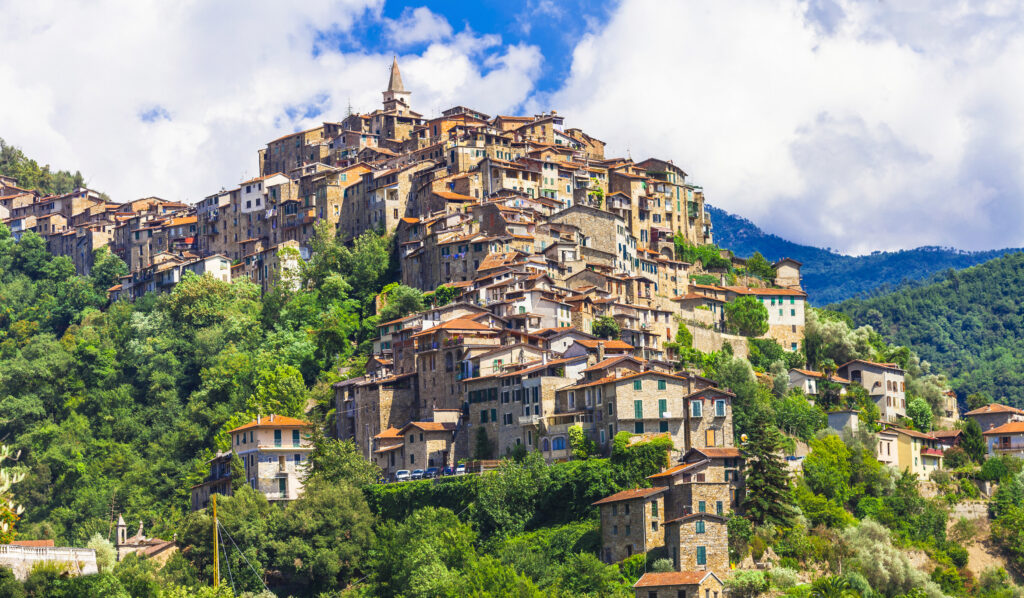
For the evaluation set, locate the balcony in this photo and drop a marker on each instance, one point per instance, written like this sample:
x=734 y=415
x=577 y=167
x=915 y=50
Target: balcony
x=930 y=452
x=530 y=420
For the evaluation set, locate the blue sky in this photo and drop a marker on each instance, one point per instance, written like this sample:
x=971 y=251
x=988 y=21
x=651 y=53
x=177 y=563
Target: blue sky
x=852 y=124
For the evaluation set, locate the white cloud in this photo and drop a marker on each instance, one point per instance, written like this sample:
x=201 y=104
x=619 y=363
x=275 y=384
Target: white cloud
x=175 y=99
x=418 y=25
x=854 y=125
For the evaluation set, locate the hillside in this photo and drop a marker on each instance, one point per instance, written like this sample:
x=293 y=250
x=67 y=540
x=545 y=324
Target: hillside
x=830 y=277
x=968 y=323
x=30 y=175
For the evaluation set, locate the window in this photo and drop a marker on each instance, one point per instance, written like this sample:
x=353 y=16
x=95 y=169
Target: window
x=282 y=486
x=709 y=438
x=615 y=530
x=720 y=408
x=719 y=508
x=638 y=428
x=637 y=385
x=615 y=509
x=295 y=438
x=494 y=415
x=680 y=593
x=662 y=407
x=654 y=508
x=663 y=426
x=628 y=530
x=701 y=506
x=280 y=463
x=638 y=409
x=697 y=408
x=412 y=459
x=558 y=444
x=702 y=555
x=483 y=416
x=654 y=526
x=277 y=437
x=662 y=385
x=699 y=528
x=412 y=439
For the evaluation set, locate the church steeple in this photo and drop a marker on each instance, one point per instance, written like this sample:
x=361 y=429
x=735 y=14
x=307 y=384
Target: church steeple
x=396 y=97
x=395 y=83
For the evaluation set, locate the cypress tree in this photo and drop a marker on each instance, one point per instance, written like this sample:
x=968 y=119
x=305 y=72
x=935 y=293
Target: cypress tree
x=769 y=497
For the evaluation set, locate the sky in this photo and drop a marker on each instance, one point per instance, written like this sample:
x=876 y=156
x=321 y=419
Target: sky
x=855 y=125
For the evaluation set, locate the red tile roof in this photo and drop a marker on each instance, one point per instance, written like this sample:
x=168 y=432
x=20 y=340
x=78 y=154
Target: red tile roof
x=274 y=421
x=673 y=470
x=389 y=433
x=719 y=452
x=616 y=344
x=672 y=578
x=994 y=408
x=634 y=494
x=33 y=543
x=1007 y=428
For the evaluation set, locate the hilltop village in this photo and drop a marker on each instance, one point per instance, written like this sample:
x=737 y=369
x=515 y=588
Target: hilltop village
x=561 y=307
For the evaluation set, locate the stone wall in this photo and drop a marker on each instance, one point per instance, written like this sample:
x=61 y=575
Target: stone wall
x=971 y=509
x=683 y=540
x=21 y=559
x=706 y=341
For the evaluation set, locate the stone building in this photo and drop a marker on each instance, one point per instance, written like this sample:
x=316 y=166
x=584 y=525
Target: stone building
x=698 y=542
x=631 y=523
x=274 y=450
x=679 y=584
x=883 y=381
x=153 y=548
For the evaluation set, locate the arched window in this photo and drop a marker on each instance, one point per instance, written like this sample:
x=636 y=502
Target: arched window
x=545 y=445
x=558 y=444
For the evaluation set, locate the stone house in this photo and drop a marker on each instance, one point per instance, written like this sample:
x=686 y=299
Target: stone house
x=679 y=584
x=274 y=451
x=918 y=452
x=708 y=414
x=994 y=415
x=787 y=273
x=1007 y=439
x=707 y=480
x=809 y=380
x=883 y=381
x=698 y=542
x=631 y=523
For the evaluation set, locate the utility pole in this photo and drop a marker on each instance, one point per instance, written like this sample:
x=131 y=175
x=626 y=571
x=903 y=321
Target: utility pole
x=216 y=548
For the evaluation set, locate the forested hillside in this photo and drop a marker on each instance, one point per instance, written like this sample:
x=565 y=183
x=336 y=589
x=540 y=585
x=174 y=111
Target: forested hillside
x=30 y=175
x=830 y=277
x=967 y=323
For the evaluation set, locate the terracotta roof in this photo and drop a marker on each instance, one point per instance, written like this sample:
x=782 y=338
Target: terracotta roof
x=393 y=447
x=457 y=324
x=672 y=578
x=719 y=452
x=33 y=543
x=765 y=291
x=389 y=433
x=630 y=495
x=274 y=421
x=947 y=433
x=888 y=366
x=430 y=426
x=454 y=196
x=1007 y=428
x=914 y=433
x=410 y=220
x=671 y=471
x=616 y=344
x=814 y=374
x=994 y=408
x=611 y=361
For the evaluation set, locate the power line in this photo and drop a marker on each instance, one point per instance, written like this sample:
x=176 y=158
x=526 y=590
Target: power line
x=251 y=568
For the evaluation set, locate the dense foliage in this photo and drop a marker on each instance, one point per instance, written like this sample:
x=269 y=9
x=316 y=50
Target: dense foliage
x=967 y=323
x=30 y=175
x=828 y=276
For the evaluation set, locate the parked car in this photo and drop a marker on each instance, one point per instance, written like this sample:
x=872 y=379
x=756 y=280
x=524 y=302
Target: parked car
x=461 y=469
x=430 y=473
x=448 y=471
x=402 y=475
x=417 y=474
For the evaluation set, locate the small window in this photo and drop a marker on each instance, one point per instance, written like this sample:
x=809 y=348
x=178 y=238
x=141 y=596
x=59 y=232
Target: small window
x=719 y=507
x=702 y=555
x=662 y=385
x=699 y=527
x=654 y=508
x=637 y=385
x=720 y=408
x=700 y=506
x=282 y=486
x=638 y=428
x=697 y=408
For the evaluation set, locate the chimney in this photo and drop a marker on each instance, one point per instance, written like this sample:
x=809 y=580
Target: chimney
x=600 y=351
x=271 y=418
x=259 y=418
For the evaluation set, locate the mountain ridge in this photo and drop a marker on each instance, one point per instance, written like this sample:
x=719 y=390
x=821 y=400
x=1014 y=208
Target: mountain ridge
x=831 y=277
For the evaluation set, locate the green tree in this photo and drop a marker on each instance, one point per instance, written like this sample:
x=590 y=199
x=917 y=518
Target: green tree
x=760 y=267
x=106 y=556
x=324 y=536
x=606 y=327
x=973 y=442
x=400 y=301
x=106 y=270
x=444 y=294
x=507 y=497
x=580 y=444
x=482 y=448
x=280 y=391
x=747 y=316
x=768 y=497
x=920 y=412
x=977 y=400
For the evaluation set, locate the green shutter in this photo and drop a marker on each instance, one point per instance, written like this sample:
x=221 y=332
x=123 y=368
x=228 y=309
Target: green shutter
x=638 y=409
x=662 y=407
x=636 y=385
x=700 y=527
x=494 y=415
x=718 y=508
x=638 y=428
x=700 y=506
x=702 y=555
x=661 y=385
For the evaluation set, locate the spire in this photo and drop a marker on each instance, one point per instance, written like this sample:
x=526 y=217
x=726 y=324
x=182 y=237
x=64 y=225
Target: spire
x=395 y=82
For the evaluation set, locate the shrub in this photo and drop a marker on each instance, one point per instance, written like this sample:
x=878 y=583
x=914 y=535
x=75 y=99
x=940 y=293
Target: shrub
x=747 y=584
x=993 y=470
x=662 y=566
x=632 y=568
x=783 y=578
x=955 y=458
x=740 y=533
x=957 y=554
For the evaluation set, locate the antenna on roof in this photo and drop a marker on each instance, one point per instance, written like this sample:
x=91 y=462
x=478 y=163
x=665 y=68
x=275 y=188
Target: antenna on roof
x=348 y=110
